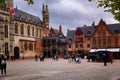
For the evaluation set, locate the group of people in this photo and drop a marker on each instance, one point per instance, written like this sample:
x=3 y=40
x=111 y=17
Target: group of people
x=3 y=64
x=40 y=57
x=107 y=58
x=75 y=58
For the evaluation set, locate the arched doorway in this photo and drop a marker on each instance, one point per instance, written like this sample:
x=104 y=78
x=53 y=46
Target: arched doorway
x=16 y=52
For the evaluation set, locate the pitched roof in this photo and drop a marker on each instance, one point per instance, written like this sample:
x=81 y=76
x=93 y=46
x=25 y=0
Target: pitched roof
x=114 y=28
x=87 y=30
x=23 y=16
x=70 y=36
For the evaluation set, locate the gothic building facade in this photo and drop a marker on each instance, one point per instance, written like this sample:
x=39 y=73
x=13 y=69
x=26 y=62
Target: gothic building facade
x=20 y=32
x=101 y=37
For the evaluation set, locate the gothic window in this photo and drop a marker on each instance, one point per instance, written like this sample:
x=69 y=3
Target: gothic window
x=32 y=31
x=30 y=46
x=22 y=29
x=40 y=32
x=16 y=28
x=6 y=31
x=36 y=32
x=6 y=48
x=28 y=30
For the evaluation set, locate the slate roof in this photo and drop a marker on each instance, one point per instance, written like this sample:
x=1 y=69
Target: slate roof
x=114 y=28
x=70 y=36
x=24 y=16
x=88 y=30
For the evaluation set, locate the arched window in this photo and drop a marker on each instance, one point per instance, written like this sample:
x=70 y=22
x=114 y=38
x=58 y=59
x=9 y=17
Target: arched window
x=6 y=31
x=22 y=29
x=32 y=31
x=36 y=32
x=28 y=30
x=16 y=28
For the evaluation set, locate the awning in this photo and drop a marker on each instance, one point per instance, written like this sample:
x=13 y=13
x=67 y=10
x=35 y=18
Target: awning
x=114 y=49
x=92 y=50
x=101 y=50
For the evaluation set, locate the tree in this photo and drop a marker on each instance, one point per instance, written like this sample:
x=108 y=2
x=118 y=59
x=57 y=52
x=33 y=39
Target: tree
x=112 y=6
x=29 y=1
x=2 y=2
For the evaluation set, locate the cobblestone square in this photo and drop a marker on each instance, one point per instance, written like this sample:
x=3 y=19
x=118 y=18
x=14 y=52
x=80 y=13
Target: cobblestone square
x=60 y=70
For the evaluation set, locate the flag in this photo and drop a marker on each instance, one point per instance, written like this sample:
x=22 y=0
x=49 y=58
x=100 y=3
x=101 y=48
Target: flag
x=11 y=10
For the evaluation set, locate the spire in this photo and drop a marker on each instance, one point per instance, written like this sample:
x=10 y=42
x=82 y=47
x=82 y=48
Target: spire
x=93 y=24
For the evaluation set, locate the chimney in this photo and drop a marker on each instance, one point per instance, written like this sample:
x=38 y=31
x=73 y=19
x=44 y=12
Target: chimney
x=60 y=30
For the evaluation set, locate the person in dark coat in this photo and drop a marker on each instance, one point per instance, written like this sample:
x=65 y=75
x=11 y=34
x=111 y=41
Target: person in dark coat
x=104 y=57
x=3 y=64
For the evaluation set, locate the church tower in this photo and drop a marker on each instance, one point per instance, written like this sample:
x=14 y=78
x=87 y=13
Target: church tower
x=45 y=14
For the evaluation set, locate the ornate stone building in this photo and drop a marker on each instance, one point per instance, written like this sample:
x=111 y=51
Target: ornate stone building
x=19 y=33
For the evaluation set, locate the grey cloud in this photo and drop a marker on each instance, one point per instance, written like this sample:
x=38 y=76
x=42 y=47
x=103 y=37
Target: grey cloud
x=68 y=13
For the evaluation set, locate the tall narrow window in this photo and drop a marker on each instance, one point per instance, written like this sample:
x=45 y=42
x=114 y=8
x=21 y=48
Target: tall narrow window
x=30 y=46
x=22 y=29
x=36 y=32
x=25 y=45
x=16 y=28
x=28 y=30
x=6 y=48
x=32 y=31
x=6 y=31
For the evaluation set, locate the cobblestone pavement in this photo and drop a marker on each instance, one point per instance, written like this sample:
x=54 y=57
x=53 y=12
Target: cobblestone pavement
x=60 y=70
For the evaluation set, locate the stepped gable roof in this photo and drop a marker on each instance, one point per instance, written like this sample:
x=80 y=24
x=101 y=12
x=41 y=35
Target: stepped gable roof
x=78 y=31
x=114 y=28
x=24 y=16
x=87 y=30
x=56 y=31
x=70 y=36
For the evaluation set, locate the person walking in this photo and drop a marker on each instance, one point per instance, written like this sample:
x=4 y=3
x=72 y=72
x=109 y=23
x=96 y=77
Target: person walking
x=104 y=57
x=111 y=58
x=3 y=64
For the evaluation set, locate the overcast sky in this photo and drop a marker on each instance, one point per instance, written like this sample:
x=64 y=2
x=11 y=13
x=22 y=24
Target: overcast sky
x=68 y=13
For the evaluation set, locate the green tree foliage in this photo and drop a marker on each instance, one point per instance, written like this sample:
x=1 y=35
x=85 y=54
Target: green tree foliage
x=2 y=3
x=29 y=1
x=112 y=6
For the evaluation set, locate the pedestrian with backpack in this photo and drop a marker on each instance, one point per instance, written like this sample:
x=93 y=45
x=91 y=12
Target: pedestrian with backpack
x=3 y=64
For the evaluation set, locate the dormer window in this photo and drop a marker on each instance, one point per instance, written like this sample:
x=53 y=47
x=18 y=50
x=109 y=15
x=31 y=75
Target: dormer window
x=89 y=32
x=116 y=31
